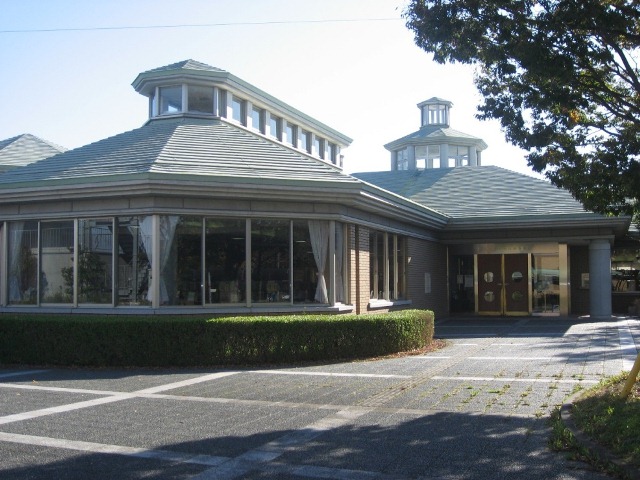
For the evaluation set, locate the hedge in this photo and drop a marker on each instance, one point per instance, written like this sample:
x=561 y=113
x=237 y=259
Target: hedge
x=163 y=341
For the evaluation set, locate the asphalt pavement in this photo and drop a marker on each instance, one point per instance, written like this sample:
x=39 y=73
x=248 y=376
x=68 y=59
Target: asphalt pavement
x=477 y=409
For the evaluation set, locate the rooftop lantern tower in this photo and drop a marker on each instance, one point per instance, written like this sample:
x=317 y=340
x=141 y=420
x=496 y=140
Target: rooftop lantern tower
x=194 y=89
x=436 y=144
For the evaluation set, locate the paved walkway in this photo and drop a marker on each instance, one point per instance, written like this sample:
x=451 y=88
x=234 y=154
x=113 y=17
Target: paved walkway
x=474 y=410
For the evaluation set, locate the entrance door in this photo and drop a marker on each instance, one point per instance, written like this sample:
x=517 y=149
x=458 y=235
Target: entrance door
x=503 y=284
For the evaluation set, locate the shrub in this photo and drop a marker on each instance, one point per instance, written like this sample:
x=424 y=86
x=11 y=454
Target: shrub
x=200 y=341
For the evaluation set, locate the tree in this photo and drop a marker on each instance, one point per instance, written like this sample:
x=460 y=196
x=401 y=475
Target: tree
x=561 y=76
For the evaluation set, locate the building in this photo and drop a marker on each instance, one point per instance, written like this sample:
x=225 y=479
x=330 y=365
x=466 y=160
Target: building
x=228 y=200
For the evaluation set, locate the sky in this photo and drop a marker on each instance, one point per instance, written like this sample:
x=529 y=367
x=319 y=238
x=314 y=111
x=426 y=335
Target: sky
x=67 y=67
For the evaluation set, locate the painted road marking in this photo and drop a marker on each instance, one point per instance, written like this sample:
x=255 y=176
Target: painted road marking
x=272 y=450
x=21 y=373
x=512 y=358
x=522 y=380
x=111 y=397
x=92 y=447
x=328 y=374
x=187 y=383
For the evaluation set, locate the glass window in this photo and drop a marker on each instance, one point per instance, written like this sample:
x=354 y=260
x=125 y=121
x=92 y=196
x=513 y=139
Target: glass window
x=435 y=115
x=222 y=103
x=290 y=132
x=270 y=247
x=134 y=260
x=305 y=271
x=402 y=159
x=458 y=156
x=275 y=127
x=433 y=156
x=545 y=270
x=332 y=151
x=400 y=290
x=95 y=261
x=318 y=147
x=388 y=266
x=180 y=260
x=225 y=260
x=23 y=263
x=257 y=119
x=170 y=100
x=305 y=140
x=153 y=105
x=237 y=110
x=200 y=99
x=56 y=264
x=377 y=262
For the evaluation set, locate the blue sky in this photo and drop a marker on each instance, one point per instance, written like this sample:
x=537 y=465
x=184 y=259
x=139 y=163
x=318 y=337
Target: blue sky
x=352 y=64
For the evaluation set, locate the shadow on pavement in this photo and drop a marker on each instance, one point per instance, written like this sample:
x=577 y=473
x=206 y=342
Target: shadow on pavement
x=443 y=445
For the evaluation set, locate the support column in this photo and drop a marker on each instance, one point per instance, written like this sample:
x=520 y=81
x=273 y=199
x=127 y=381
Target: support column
x=444 y=155
x=600 y=278
x=473 y=156
x=411 y=152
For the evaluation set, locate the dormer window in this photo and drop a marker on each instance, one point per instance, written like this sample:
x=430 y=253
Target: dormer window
x=170 y=100
x=237 y=110
x=291 y=134
x=257 y=119
x=275 y=127
x=200 y=99
x=305 y=141
x=402 y=162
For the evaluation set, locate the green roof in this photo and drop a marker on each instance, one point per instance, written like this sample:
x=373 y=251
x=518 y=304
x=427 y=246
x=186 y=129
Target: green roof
x=25 y=149
x=434 y=135
x=473 y=192
x=173 y=148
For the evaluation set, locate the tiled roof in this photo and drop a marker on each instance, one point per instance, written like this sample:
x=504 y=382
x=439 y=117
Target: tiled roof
x=173 y=148
x=474 y=192
x=25 y=149
x=436 y=132
x=186 y=65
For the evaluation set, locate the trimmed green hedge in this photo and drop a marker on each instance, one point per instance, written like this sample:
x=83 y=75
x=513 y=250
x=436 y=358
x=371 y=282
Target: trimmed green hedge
x=162 y=341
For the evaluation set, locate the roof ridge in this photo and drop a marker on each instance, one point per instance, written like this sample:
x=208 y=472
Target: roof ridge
x=188 y=64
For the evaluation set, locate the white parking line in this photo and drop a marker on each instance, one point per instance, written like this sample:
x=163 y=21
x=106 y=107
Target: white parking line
x=110 y=397
x=328 y=374
x=46 y=388
x=430 y=357
x=274 y=449
x=186 y=383
x=18 y=417
x=515 y=380
x=526 y=359
x=112 y=449
x=21 y=373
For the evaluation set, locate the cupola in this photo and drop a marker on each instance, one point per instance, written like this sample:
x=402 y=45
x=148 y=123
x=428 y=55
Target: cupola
x=435 y=144
x=194 y=89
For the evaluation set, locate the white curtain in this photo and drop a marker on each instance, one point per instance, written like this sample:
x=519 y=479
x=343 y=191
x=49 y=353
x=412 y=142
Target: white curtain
x=146 y=236
x=167 y=232
x=168 y=226
x=319 y=235
x=339 y=252
x=16 y=229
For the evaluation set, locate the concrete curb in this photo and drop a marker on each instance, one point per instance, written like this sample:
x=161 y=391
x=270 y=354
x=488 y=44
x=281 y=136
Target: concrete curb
x=598 y=450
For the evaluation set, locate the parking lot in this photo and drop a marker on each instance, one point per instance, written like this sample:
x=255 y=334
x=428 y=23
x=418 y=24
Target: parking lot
x=475 y=409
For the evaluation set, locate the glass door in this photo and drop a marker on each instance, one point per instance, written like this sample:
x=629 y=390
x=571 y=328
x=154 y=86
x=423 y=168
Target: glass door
x=503 y=286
